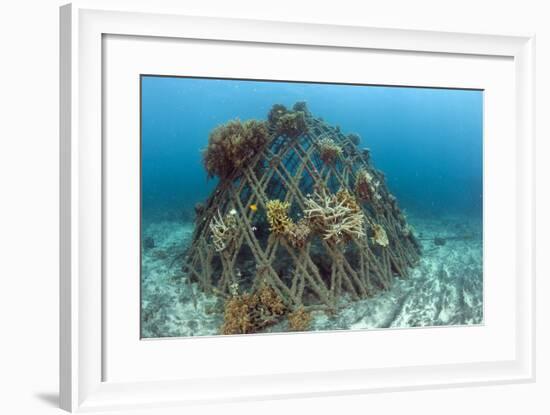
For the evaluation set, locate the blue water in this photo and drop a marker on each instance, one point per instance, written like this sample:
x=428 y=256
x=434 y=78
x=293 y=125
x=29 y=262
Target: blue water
x=427 y=141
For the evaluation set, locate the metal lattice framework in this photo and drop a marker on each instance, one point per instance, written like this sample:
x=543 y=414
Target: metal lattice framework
x=316 y=275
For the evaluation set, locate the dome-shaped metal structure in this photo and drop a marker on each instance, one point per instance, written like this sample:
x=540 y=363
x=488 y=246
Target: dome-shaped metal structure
x=307 y=215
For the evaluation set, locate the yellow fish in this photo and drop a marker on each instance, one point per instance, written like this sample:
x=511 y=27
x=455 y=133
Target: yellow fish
x=253 y=208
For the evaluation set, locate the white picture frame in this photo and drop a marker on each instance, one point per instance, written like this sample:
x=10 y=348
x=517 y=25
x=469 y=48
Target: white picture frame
x=84 y=26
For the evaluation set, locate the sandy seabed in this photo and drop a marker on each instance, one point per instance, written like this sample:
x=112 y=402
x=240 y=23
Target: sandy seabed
x=445 y=288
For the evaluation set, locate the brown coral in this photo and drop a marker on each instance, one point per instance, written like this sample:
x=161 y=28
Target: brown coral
x=299 y=320
x=292 y=124
x=329 y=151
x=275 y=113
x=237 y=318
x=287 y=123
x=363 y=187
x=344 y=197
x=298 y=234
x=252 y=312
x=270 y=301
x=366 y=187
x=233 y=144
x=277 y=217
x=281 y=224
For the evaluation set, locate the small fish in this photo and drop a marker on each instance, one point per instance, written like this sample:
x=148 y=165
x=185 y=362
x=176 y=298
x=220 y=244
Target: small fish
x=253 y=207
x=254 y=229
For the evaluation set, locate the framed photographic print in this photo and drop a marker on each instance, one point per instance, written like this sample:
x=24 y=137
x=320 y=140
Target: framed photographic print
x=312 y=208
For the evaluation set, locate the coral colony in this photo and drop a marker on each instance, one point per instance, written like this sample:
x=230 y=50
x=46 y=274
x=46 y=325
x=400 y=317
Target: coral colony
x=299 y=220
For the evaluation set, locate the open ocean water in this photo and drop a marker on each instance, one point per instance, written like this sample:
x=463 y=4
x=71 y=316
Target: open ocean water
x=428 y=142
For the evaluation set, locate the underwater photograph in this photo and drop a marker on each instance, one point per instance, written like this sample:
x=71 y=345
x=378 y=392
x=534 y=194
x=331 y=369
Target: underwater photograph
x=283 y=206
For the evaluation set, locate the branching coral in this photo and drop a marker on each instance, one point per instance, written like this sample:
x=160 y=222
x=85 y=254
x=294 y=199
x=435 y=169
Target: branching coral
x=333 y=219
x=224 y=230
x=380 y=237
x=299 y=320
x=344 y=197
x=329 y=150
x=233 y=144
x=252 y=312
x=277 y=217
